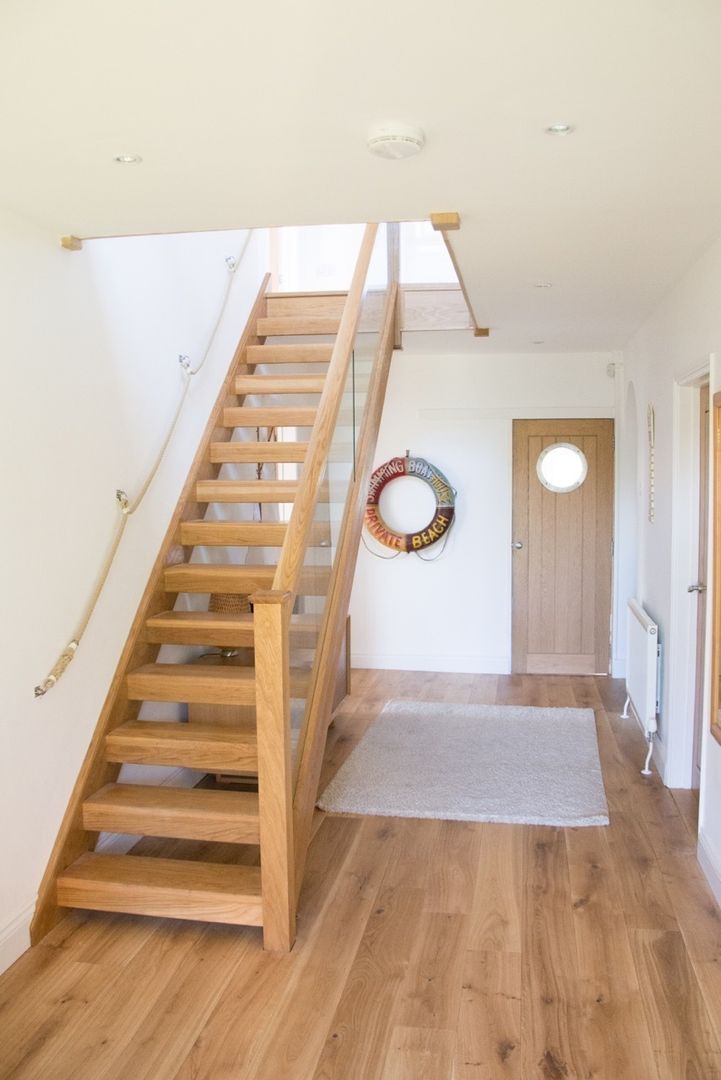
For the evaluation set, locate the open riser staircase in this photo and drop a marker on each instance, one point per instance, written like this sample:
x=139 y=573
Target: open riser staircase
x=289 y=374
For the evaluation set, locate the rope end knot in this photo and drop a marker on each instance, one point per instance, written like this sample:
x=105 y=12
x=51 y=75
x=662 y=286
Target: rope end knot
x=59 y=667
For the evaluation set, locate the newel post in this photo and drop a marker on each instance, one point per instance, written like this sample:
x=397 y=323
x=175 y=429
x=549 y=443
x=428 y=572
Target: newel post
x=271 y=618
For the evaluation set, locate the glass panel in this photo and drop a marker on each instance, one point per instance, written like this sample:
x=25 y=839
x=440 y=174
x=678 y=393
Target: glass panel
x=310 y=605
x=316 y=258
x=562 y=467
x=424 y=258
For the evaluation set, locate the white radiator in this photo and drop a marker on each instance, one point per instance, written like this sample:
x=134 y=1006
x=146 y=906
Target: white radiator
x=643 y=672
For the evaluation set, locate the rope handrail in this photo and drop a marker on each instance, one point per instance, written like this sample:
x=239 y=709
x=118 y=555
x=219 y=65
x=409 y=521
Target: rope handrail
x=127 y=506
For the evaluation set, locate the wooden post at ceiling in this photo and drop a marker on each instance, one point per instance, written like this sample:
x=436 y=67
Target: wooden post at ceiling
x=447 y=221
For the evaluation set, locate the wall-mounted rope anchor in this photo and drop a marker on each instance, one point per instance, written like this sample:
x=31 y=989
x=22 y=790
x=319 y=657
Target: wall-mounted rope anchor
x=184 y=362
x=123 y=499
x=231 y=262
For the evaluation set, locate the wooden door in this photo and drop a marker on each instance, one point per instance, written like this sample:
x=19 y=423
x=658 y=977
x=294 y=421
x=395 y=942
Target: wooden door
x=562 y=546
x=699 y=586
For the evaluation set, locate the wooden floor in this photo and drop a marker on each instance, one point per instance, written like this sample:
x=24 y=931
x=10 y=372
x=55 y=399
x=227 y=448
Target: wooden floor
x=426 y=949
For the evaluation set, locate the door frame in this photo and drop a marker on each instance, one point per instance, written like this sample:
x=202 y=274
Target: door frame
x=581 y=418
x=682 y=636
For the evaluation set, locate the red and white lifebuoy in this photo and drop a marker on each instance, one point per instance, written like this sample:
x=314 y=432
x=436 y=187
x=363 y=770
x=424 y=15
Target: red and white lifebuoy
x=445 y=504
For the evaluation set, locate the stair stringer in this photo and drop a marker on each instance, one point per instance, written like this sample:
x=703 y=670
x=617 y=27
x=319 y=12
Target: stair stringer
x=73 y=839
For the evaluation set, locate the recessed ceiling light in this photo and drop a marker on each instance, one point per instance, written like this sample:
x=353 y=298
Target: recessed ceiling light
x=395 y=140
x=560 y=129
x=544 y=285
x=127 y=159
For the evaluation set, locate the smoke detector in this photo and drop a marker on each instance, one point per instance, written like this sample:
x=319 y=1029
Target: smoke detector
x=395 y=141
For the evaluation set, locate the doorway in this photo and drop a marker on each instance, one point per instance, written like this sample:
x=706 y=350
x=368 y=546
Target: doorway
x=699 y=586
x=562 y=546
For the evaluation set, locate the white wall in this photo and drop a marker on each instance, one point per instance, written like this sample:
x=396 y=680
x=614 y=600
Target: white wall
x=90 y=377
x=681 y=338
x=457 y=411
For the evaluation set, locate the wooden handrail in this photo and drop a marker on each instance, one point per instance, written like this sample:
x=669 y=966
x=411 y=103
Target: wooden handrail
x=292 y=554
x=320 y=695
x=451 y=222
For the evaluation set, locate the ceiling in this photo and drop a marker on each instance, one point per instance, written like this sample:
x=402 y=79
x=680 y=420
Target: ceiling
x=257 y=114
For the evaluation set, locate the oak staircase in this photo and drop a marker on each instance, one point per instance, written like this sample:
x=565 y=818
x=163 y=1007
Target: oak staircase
x=264 y=540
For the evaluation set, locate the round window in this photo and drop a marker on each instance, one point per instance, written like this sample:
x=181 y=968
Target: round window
x=562 y=467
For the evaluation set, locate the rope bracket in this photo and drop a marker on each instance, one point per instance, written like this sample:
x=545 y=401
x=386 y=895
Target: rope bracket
x=184 y=362
x=123 y=500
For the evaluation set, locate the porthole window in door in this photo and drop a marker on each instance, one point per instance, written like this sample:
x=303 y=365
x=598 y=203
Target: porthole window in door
x=562 y=467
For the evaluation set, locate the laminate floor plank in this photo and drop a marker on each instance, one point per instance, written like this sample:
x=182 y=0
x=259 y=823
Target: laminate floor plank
x=552 y=1036
x=681 y=1032
x=497 y=905
x=615 y=1037
x=358 y=1036
x=419 y=1054
x=488 y=1046
x=643 y=895
x=430 y=994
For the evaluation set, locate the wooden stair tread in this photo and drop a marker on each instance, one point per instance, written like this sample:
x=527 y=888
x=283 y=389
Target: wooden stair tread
x=315 y=303
x=297 y=325
x=185 y=813
x=215 y=628
x=200 y=684
x=240 y=579
x=276 y=416
x=209 y=532
x=256 y=452
x=200 y=628
x=279 y=384
x=196 y=684
x=205 y=746
x=311 y=353
x=246 y=491
x=172 y=888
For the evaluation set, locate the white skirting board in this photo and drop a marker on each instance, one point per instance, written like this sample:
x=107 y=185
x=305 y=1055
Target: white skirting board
x=15 y=937
x=460 y=665
x=710 y=859
x=659 y=756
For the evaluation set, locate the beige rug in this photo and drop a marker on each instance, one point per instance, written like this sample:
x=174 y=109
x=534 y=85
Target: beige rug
x=496 y=763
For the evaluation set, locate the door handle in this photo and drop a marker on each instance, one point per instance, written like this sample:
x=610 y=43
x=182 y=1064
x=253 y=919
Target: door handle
x=517 y=544
x=696 y=588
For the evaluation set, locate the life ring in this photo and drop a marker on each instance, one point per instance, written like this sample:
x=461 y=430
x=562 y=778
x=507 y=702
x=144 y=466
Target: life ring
x=445 y=504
